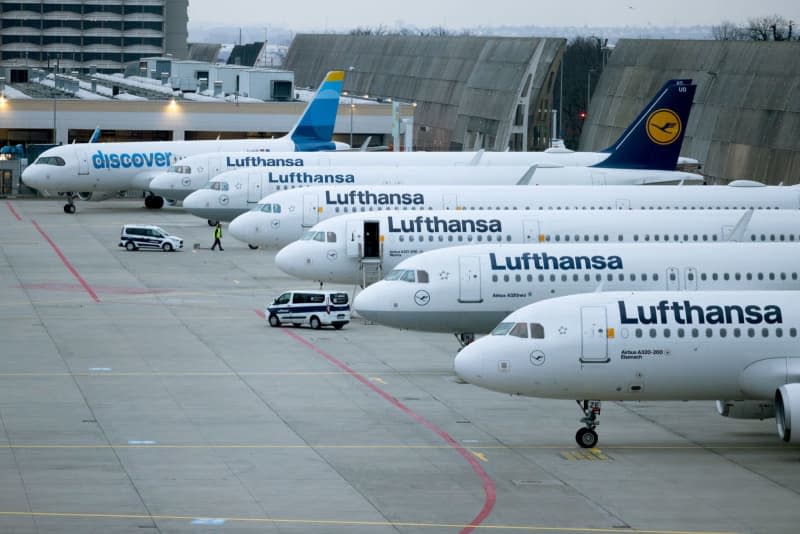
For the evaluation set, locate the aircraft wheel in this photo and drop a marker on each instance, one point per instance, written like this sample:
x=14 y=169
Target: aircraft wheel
x=315 y=323
x=211 y=223
x=586 y=438
x=69 y=208
x=253 y=247
x=274 y=321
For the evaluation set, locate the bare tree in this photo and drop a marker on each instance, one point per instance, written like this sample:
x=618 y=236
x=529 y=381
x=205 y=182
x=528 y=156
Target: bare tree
x=728 y=31
x=771 y=28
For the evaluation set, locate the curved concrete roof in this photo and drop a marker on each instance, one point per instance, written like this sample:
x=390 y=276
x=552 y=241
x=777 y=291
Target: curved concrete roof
x=745 y=122
x=466 y=88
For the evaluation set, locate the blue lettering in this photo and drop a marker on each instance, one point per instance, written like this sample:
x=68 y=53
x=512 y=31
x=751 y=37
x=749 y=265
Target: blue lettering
x=687 y=313
x=101 y=160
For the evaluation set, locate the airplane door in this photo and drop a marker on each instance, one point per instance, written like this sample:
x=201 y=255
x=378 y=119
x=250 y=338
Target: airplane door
x=727 y=230
x=673 y=282
x=469 y=272
x=690 y=279
x=310 y=210
x=83 y=162
x=353 y=231
x=594 y=337
x=623 y=204
x=530 y=231
x=253 y=188
x=213 y=168
x=449 y=201
x=372 y=247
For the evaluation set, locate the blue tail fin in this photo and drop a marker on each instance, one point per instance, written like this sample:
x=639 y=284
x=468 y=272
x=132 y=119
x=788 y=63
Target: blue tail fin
x=314 y=130
x=654 y=139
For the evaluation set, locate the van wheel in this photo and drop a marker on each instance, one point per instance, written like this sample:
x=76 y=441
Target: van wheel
x=274 y=321
x=315 y=323
x=130 y=245
x=167 y=247
x=338 y=326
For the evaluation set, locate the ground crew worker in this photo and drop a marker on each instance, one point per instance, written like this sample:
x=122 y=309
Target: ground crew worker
x=217 y=237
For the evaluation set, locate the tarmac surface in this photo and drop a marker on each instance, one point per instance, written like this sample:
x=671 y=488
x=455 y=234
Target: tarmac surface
x=143 y=390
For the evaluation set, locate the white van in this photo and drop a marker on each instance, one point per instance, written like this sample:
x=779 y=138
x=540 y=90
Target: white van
x=136 y=236
x=315 y=308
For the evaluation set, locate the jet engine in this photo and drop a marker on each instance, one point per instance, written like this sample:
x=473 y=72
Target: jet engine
x=97 y=196
x=787 y=412
x=746 y=409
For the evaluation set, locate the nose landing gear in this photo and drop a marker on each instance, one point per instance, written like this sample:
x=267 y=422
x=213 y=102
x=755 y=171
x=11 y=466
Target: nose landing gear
x=586 y=436
x=69 y=207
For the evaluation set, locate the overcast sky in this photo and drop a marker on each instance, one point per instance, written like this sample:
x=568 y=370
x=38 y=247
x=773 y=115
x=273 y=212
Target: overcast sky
x=344 y=14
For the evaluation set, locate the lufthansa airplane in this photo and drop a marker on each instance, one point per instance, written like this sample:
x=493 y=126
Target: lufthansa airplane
x=283 y=216
x=342 y=249
x=739 y=348
x=97 y=171
x=651 y=142
x=233 y=193
x=469 y=289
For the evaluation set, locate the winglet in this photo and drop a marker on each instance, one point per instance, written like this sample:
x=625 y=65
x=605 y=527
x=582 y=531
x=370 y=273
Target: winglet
x=476 y=159
x=737 y=234
x=653 y=140
x=526 y=178
x=95 y=135
x=314 y=130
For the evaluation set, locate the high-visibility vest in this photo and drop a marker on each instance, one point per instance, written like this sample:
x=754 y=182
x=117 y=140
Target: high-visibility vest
x=218 y=232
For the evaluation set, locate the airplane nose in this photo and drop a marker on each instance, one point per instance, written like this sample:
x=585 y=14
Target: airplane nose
x=468 y=364
x=246 y=228
x=290 y=260
x=32 y=177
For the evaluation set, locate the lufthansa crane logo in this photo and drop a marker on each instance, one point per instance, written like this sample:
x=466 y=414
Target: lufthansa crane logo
x=663 y=126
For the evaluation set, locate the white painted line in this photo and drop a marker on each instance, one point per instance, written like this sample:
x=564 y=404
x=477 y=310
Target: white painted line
x=141 y=442
x=208 y=521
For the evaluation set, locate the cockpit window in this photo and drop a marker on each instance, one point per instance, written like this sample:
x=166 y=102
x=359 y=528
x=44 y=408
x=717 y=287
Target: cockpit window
x=537 y=331
x=268 y=208
x=218 y=186
x=50 y=160
x=404 y=275
x=519 y=330
x=331 y=237
x=180 y=169
x=308 y=235
x=319 y=236
x=502 y=329
x=422 y=277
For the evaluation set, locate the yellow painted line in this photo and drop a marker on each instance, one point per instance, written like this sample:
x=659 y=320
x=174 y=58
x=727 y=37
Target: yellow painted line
x=480 y=456
x=337 y=522
x=567 y=455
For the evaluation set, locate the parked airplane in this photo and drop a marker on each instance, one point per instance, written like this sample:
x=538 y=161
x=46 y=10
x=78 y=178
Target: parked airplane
x=469 y=289
x=283 y=216
x=650 y=345
x=359 y=247
x=97 y=171
x=652 y=141
x=233 y=193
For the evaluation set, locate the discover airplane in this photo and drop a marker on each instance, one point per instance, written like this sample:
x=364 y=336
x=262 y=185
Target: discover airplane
x=358 y=247
x=98 y=171
x=469 y=289
x=233 y=193
x=650 y=345
x=283 y=216
x=652 y=141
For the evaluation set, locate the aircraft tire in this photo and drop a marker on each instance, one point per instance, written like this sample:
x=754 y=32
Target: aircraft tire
x=586 y=438
x=69 y=208
x=211 y=223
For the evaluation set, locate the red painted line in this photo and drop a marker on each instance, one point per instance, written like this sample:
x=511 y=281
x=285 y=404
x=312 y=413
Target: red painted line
x=13 y=211
x=67 y=264
x=488 y=483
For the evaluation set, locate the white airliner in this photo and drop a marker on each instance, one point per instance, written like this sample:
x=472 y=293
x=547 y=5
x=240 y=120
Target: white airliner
x=355 y=248
x=652 y=141
x=97 y=171
x=469 y=289
x=282 y=217
x=737 y=346
x=233 y=193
